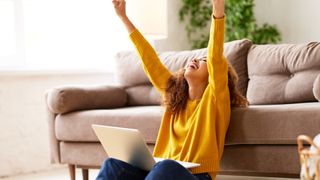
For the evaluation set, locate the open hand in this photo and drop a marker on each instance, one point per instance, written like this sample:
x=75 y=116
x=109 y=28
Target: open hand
x=120 y=7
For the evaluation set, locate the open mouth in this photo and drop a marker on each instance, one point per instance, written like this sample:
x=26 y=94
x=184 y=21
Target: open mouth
x=193 y=66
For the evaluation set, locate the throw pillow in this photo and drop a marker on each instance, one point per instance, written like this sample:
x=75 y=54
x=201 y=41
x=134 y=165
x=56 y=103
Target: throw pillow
x=129 y=70
x=282 y=73
x=316 y=88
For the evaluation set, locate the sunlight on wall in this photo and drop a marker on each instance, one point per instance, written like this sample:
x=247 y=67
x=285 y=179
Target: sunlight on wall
x=68 y=34
x=7 y=35
x=298 y=21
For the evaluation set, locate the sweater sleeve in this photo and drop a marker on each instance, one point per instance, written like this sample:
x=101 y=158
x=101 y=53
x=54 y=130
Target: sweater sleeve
x=217 y=64
x=154 y=69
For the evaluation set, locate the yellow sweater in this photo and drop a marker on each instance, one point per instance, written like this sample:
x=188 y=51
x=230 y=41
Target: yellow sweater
x=197 y=133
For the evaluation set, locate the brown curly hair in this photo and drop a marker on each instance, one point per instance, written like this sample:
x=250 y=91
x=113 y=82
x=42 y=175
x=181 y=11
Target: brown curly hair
x=177 y=91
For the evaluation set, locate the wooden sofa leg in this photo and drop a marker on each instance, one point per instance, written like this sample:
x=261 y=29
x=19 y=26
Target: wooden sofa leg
x=85 y=174
x=72 y=171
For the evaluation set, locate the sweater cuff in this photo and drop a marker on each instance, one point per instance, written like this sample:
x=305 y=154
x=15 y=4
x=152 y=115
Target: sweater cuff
x=218 y=18
x=217 y=31
x=222 y=19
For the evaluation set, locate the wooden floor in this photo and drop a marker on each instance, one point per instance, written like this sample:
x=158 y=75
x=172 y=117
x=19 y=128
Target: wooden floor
x=62 y=174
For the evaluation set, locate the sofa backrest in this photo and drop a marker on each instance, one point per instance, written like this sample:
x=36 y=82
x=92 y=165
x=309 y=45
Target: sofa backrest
x=130 y=74
x=282 y=73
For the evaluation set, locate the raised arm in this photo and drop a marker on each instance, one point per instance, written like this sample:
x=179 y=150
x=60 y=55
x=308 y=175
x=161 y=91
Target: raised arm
x=217 y=64
x=120 y=8
x=155 y=70
x=218 y=8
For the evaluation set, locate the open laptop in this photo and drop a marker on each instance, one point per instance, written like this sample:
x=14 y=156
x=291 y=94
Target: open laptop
x=129 y=146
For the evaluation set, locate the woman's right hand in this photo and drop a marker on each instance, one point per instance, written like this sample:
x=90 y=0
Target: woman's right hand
x=120 y=7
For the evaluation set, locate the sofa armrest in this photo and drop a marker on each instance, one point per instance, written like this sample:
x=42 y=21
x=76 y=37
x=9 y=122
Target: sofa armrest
x=54 y=143
x=72 y=98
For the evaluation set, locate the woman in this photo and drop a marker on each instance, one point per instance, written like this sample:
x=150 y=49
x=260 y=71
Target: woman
x=197 y=99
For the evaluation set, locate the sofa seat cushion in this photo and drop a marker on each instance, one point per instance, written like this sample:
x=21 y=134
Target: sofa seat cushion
x=273 y=124
x=91 y=154
x=261 y=160
x=76 y=126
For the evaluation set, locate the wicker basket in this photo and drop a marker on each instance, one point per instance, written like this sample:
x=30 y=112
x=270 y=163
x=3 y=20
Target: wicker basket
x=309 y=158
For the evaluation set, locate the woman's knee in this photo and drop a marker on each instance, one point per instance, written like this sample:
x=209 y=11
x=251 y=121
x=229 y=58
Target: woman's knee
x=168 y=163
x=167 y=166
x=113 y=163
x=114 y=169
x=107 y=169
x=111 y=169
x=169 y=169
x=109 y=161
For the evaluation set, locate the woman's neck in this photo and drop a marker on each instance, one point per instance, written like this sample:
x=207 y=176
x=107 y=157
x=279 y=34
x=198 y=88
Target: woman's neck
x=196 y=91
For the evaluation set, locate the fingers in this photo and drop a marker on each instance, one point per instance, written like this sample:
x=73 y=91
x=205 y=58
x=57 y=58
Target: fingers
x=115 y=2
x=120 y=7
x=118 y=2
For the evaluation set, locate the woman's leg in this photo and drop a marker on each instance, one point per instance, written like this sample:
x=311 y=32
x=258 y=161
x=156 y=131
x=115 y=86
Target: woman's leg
x=171 y=170
x=113 y=169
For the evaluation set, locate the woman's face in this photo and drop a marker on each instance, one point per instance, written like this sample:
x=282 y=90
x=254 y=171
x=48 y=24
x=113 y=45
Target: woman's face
x=197 y=70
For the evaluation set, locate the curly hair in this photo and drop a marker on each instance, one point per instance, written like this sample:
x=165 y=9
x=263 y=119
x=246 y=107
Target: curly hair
x=236 y=98
x=177 y=91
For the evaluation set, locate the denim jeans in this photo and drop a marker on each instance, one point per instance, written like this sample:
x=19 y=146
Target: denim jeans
x=113 y=169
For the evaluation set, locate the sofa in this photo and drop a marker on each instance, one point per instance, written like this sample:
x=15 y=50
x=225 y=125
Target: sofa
x=281 y=83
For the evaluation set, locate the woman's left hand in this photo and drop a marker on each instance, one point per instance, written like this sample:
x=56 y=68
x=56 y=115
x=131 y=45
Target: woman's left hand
x=120 y=7
x=218 y=8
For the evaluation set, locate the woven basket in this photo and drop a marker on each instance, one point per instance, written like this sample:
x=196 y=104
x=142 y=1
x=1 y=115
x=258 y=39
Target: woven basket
x=309 y=158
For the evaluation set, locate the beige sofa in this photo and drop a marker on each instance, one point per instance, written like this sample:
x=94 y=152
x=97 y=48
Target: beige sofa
x=281 y=83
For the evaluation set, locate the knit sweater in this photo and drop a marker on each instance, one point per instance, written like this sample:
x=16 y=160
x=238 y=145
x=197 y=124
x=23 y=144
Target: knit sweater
x=196 y=133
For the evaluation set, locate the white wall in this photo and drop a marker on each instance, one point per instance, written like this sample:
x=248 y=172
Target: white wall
x=59 y=34
x=177 y=37
x=297 y=20
x=24 y=145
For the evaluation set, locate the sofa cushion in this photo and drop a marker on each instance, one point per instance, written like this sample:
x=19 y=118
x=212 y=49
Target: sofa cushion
x=76 y=126
x=66 y=99
x=236 y=52
x=143 y=95
x=273 y=124
x=85 y=154
x=129 y=71
x=261 y=160
x=282 y=73
x=316 y=88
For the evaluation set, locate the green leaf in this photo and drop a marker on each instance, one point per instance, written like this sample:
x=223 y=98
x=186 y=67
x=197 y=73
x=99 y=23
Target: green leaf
x=240 y=22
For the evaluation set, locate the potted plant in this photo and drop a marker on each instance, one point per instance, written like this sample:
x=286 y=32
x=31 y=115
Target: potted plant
x=240 y=22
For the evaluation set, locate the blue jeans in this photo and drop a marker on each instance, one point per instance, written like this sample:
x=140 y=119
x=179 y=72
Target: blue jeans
x=113 y=169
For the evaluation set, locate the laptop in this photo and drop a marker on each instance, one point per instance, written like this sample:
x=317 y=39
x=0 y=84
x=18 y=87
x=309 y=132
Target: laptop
x=129 y=146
